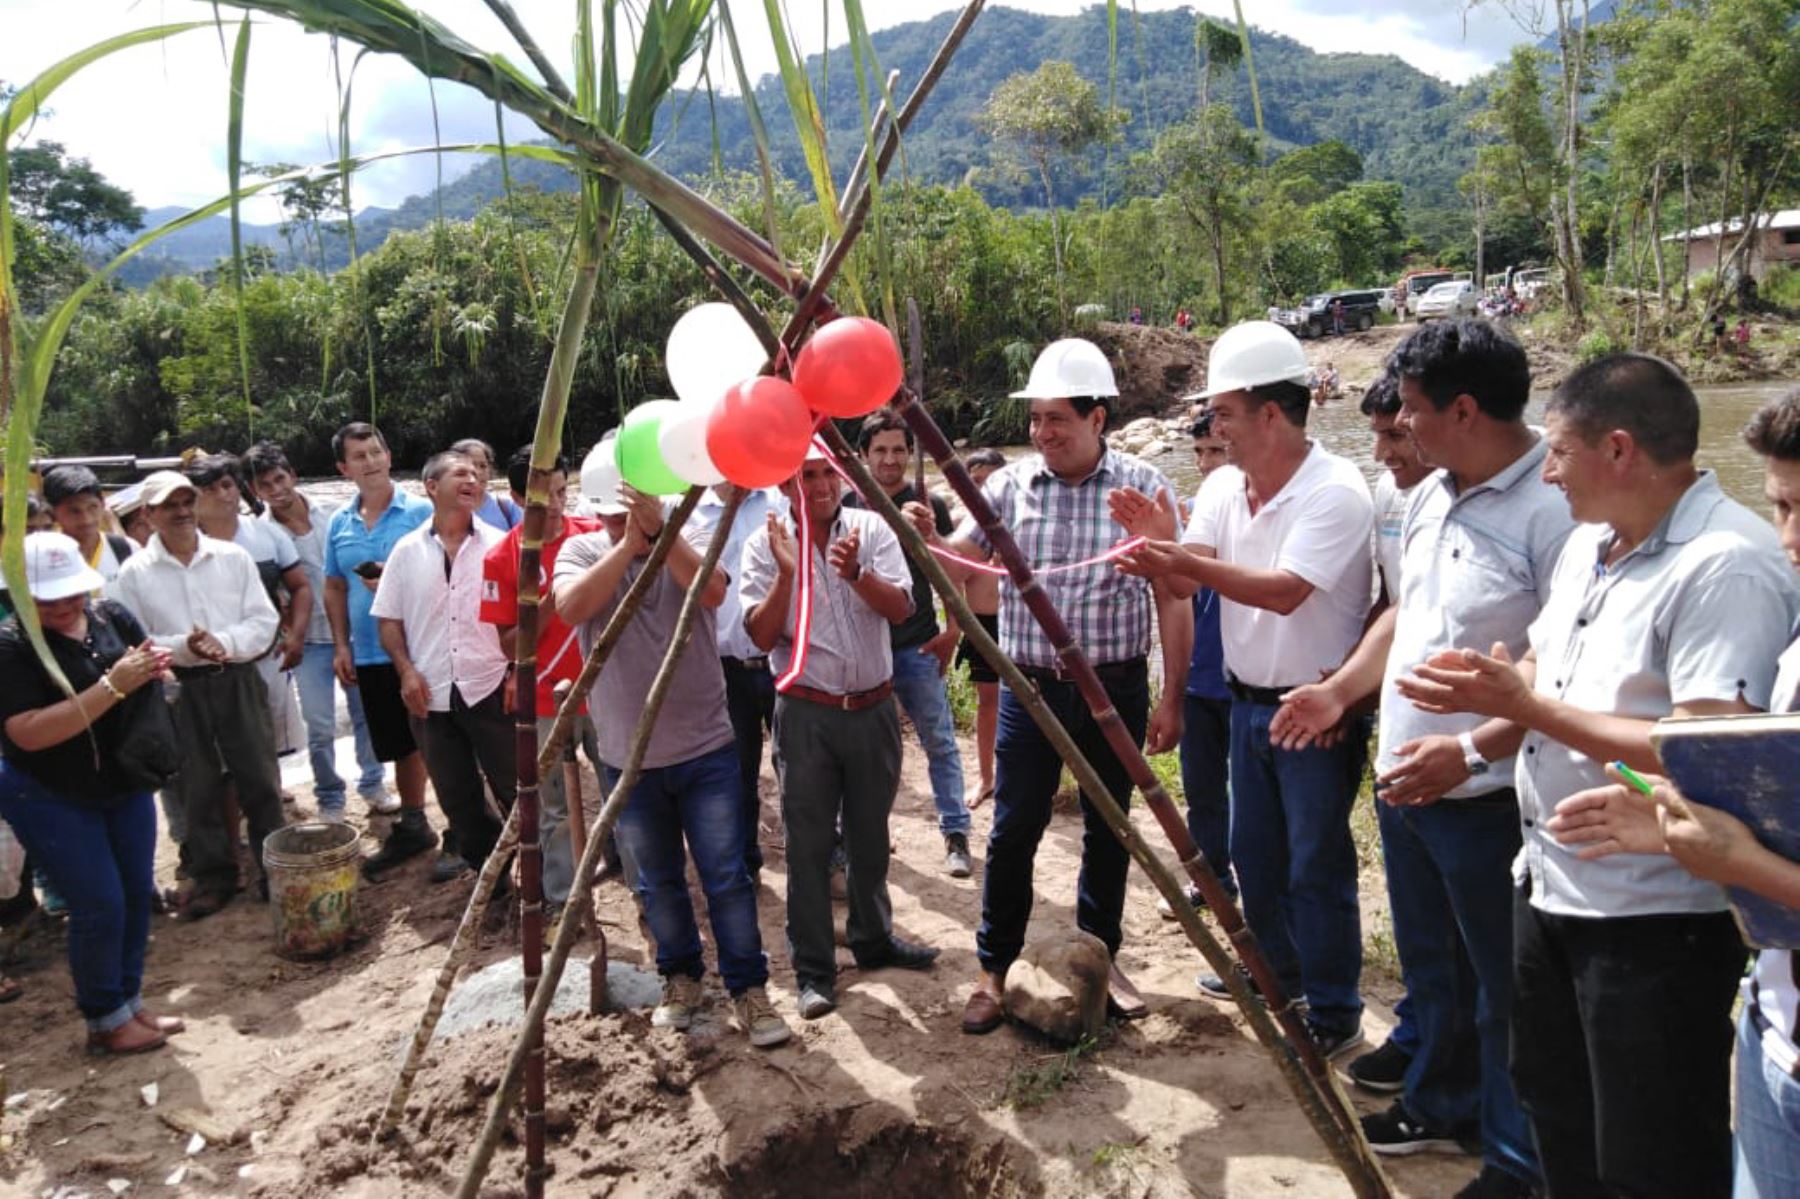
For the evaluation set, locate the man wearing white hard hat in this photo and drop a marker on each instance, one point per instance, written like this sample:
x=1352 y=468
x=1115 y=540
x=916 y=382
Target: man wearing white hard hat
x=1055 y=502
x=203 y=600
x=1283 y=536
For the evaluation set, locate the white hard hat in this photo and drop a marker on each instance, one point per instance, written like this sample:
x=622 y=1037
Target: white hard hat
x=600 y=478
x=1067 y=368
x=1252 y=354
x=55 y=569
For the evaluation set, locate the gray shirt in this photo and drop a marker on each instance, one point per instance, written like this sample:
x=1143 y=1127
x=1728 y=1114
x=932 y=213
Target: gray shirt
x=693 y=720
x=850 y=647
x=311 y=549
x=1474 y=569
x=728 y=618
x=1701 y=610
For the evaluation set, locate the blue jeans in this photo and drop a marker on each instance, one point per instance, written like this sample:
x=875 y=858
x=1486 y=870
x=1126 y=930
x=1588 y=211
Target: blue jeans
x=318 y=704
x=1296 y=863
x=1205 y=748
x=696 y=802
x=1027 y=772
x=1768 y=1122
x=100 y=859
x=1450 y=890
x=920 y=689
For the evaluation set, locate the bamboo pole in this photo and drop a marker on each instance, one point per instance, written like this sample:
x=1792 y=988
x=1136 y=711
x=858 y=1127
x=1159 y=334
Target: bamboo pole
x=580 y=905
x=1309 y=1077
x=539 y=1008
x=463 y=942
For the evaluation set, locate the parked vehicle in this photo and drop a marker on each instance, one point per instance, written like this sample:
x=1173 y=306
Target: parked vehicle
x=1413 y=285
x=1313 y=318
x=1457 y=297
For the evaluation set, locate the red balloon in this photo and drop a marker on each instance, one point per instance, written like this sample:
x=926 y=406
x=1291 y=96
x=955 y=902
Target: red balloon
x=758 y=432
x=849 y=368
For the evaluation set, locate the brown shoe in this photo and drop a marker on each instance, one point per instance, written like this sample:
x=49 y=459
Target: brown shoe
x=202 y=904
x=167 y=1025
x=983 y=1013
x=1122 y=999
x=129 y=1037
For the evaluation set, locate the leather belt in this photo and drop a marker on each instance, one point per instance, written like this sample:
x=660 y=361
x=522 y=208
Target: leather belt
x=1246 y=694
x=1109 y=673
x=205 y=671
x=761 y=663
x=856 y=701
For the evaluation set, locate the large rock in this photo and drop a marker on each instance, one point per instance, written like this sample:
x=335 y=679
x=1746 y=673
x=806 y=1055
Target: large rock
x=1058 y=986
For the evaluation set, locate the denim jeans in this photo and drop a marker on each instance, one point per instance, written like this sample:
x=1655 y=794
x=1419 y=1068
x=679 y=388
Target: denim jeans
x=100 y=859
x=1768 y=1122
x=318 y=704
x=1621 y=1049
x=1027 y=772
x=1205 y=748
x=1296 y=863
x=750 y=701
x=694 y=807
x=922 y=695
x=1450 y=890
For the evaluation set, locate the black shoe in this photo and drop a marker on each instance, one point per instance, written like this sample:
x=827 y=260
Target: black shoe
x=1495 y=1183
x=448 y=868
x=1396 y=1134
x=404 y=841
x=898 y=954
x=1381 y=1071
x=1331 y=1042
x=1213 y=987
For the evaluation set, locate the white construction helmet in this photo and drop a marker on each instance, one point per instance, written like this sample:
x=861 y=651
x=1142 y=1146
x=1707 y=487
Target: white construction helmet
x=1252 y=354
x=1067 y=368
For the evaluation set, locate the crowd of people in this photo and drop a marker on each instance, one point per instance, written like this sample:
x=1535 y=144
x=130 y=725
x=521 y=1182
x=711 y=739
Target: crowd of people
x=1507 y=615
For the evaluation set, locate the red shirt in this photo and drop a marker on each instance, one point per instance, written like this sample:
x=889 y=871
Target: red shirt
x=558 y=653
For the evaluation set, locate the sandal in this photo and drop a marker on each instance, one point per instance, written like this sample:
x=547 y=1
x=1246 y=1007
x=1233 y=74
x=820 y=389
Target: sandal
x=10 y=989
x=130 y=1037
x=167 y=1025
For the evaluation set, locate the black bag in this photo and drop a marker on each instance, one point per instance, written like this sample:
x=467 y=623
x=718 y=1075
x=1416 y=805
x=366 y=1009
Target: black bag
x=143 y=746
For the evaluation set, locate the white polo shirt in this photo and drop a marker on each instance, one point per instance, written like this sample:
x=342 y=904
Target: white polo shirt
x=1319 y=527
x=449 y=643
x=1700 y=610
x=1774 y=983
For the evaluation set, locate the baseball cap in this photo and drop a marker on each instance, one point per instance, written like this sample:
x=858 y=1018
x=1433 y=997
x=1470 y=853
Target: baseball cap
x=55 y=569
x=158 y=487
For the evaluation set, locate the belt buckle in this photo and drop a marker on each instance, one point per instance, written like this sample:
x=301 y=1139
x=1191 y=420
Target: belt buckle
x=845 y=700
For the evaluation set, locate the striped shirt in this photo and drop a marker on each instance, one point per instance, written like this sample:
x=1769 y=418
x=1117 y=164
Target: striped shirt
x=1056 y=523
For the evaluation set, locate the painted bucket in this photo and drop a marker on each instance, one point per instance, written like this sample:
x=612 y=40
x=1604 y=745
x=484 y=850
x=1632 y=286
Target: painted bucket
x=313 y=871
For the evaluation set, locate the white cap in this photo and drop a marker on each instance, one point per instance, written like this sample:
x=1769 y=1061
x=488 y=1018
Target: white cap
x=1071 y=367
x=162 y=484
x=1252 y=354
x=55 y=569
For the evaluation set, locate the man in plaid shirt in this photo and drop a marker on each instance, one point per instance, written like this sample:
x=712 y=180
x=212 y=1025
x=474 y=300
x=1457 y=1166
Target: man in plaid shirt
x=1055 y=504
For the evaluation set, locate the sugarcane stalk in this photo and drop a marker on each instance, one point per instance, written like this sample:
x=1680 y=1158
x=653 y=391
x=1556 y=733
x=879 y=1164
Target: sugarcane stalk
x=570 y=712
x=539 y=1008
x=1294 y=1053
x=553 y=82
x=580 y=906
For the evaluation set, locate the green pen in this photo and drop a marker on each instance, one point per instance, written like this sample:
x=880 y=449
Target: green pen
x=1634 y=778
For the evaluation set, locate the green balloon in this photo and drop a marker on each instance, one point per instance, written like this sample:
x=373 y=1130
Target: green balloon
x=639 y=460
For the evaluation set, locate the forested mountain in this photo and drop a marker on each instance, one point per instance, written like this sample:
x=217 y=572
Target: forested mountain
x=1408 y=126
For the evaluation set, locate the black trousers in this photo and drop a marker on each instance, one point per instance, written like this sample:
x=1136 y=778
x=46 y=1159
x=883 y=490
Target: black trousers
x=750 y=701
x=461 y=747
x=1621 y=1050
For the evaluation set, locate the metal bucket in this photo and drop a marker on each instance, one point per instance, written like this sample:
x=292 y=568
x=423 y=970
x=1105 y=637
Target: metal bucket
x=313 y=871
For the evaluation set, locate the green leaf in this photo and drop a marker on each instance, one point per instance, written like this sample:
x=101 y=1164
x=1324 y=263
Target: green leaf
x=234 y=156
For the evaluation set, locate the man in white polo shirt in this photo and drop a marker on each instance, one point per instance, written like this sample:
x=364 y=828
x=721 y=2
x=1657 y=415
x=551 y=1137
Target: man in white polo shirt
x=1283 y=535
x=1669 y=599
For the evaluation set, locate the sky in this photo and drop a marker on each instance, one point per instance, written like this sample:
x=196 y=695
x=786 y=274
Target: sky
x=153 y=118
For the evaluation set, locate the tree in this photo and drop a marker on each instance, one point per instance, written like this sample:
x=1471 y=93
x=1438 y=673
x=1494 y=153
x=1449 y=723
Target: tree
x=1046 y=116
x=1206 y=166
x=1363 y=225
x=69 y=195
x=304 y=201
x=1216 y=46
x=1522 y=164
x=1310 y=173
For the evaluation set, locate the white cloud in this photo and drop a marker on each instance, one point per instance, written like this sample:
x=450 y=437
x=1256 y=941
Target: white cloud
x=152 y=118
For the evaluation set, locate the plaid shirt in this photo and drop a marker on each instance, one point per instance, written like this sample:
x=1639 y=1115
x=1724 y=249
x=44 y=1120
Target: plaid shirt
x=1055 y=523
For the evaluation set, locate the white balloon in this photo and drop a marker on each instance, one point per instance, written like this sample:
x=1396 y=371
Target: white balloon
x=682 y=440
x=600 y=473
x=710 y=350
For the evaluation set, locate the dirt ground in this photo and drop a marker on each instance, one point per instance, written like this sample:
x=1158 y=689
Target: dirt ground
x=885 y=1096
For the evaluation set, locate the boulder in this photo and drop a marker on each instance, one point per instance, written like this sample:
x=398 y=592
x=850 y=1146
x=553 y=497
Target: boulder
x=1058 y=986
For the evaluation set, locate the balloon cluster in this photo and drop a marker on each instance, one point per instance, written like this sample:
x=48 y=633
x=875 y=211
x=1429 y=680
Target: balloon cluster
x=732 y=423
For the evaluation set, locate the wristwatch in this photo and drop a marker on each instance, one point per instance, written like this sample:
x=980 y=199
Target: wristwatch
x=1472 y=758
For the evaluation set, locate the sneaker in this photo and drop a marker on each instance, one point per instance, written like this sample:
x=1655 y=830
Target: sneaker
x=382 y=802
x=448 y=868
x=956 y=855
x=1333 y=1043
x=1495 y=1183
x=405 y=840
x=333 y=815
x=759 y=1020
x=1213 y=987
x=680 y=997
x=1396 y=1134
x=1381 y=1071
x=815 y=1002
x=1167 y=910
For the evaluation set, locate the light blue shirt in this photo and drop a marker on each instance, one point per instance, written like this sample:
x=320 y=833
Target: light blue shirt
x=349 y=543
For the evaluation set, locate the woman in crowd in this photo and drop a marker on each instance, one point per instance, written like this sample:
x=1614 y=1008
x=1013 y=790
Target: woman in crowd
x=74 y=787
